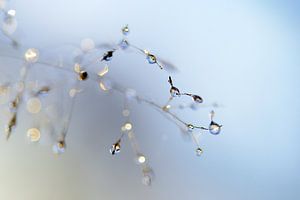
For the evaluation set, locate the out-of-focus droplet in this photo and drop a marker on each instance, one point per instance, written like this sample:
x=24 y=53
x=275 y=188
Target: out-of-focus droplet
x=31 y=55
x=141 y=159
x=151 y=59
x=190 y=127
x=197 y=99
x=174 y=91
x=124 y=44
x=107 y=56
x=103 y=71
x=83 y=75
x=4 y=94
x=43 y=90
x=125 y=30
x=130 y=93
x=126 y=112
x=166 y=107
x=105 y=84
x=77 y=67
x=115 y=148
x=13 y=105
x=146 y=180
x=87 y=44
x=127 y=126
x=72 y=92
x=11 y=13
x=9 y=25
x=59 y=147
x=199 y=151
x=34 y=105
x=34 y=134
x=214 y=128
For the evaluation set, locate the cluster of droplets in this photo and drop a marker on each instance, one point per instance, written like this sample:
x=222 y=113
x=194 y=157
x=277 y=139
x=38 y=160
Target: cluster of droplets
x=9 y=22
x=33 y=104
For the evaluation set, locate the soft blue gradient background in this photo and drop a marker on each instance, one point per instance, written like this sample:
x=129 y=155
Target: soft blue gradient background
x=242 y=54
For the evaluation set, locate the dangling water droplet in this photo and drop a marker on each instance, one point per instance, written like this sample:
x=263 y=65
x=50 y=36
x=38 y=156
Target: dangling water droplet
x=83 y=75
x=115 y=148
x=190 y=127
x=107 y=56
x=124 y=44
x=127 y=126
x=197 y=99
x=31 y=55
x=174 y=91
x=214 y=128
x=199 y=151
x=146 y=180
x=34 y=105
x=103 y=71
x=151 y=59
x=125 y=30
x=166 y=108
x=141 y=159
x=59 y=147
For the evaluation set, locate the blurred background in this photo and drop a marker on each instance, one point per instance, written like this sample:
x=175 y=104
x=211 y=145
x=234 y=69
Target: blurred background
x=242 y=54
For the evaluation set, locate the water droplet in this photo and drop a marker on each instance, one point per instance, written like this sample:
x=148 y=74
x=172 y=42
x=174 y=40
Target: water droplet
x=130 y=93
x=107 y=56
x=166 y=108
x=174 y=91
x=103 y=71
x=141 y=159
x=197 y=99
x=31 y=55
x=34 y=105
x=59 y=147
x=127 y=126
x=77 y=67
x=126 y=112
x=199 y=151
x=151 y=59
x=83 y=75
x=34 y=134
x=124 y=44
x=11 y=13
x=115 y=148
x=190 y=127
x=146 y=180
x=214 y=128
x=9 y=25
x=125 y=30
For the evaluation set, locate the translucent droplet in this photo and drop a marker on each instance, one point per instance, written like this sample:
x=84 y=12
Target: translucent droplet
x=197 y=99
x=11 y=13
x=125 y=30
x=199 y=151
x=103 y=71
x=127 y=126
x=214 y=128
x=34 y=134
x=87 y=44
x=130 y=93
x=59 y=147
x=141 y=159
x=72 y=92
x=83 y=75
x=43 y=91
x=174 y=91
x=147 y=180
x=115 y=148
x=34 y=105
x=151 y=59
x=126 y=112
x=107 y=56
x=105 y=85
x=166 y=108
x=77 y=67
x=31 y=55
x=124 y=44
x=190 y=127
